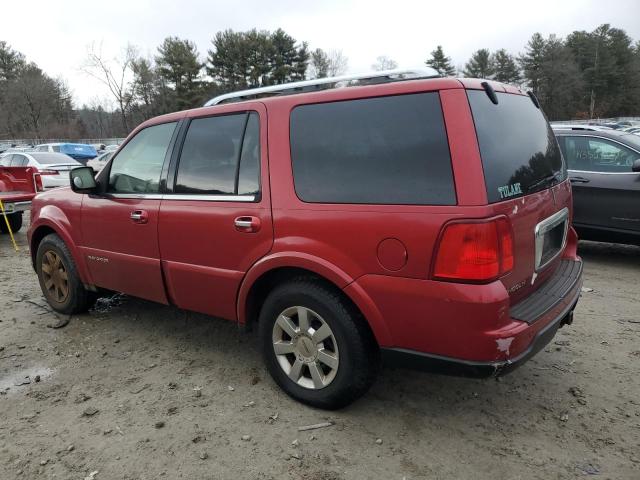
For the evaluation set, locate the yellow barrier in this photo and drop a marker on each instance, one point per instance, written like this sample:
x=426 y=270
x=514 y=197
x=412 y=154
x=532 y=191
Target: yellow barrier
x=6 y=220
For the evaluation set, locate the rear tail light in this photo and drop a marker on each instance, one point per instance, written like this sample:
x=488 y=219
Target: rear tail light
x=37 y=181
x=474 y=251
x=48 y=172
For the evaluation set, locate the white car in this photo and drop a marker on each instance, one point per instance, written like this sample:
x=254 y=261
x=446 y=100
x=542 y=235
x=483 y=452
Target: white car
x=100 y=161
x=53 y=167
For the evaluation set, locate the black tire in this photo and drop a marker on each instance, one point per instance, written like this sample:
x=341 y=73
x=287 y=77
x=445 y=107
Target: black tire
x=15 y=221
x=78 y=299
x=359 y=356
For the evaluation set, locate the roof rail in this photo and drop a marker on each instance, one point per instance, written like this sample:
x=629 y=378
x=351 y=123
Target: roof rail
x=383 y=76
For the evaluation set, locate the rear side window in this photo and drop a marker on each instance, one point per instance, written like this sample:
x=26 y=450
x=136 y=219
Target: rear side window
x=593 y=154
x=214 y=158
x=138 y=165
x=19 y=161
x=519 y=151
x=384 y=150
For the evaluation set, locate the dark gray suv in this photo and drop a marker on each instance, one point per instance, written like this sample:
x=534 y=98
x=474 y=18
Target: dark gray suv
x=604 y=169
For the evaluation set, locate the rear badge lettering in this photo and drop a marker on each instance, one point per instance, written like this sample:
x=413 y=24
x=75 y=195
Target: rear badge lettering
x=510 y=190
x=517 y=287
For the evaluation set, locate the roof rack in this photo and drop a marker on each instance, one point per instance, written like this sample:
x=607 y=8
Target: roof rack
x=383 y=76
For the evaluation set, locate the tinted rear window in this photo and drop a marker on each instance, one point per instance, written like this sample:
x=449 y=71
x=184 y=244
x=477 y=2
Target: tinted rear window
x=52 y=158
x=519 y=151
x=385 y=150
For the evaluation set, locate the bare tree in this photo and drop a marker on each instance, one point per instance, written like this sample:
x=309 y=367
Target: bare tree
x=384 y=63
x=338 y=63
x=116 y=74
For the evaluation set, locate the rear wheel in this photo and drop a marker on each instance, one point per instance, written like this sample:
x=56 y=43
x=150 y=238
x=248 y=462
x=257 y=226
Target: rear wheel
x=59 y=278
x=316 y=346
x=15 y=222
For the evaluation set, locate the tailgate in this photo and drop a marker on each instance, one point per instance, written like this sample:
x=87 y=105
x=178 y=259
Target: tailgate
x=526 y=180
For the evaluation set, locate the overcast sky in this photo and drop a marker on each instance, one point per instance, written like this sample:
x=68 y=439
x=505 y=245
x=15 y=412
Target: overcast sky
x=55 y=34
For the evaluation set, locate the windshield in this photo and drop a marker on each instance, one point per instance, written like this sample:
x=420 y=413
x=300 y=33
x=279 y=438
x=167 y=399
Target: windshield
x=520 y=154
x=53 y=158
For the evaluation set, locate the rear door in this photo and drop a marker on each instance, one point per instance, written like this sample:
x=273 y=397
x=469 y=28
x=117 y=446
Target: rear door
x=120 y=227
x=605 y=189
x=215 y=219
x=525 y=179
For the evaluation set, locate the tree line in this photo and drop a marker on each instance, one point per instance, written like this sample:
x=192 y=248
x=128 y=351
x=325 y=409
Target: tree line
x=585 y=75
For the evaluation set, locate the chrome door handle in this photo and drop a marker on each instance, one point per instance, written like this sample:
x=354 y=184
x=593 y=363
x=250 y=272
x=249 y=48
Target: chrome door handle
x=247 y=224
x=243 y=223
x=578 y=180
x=139 y=216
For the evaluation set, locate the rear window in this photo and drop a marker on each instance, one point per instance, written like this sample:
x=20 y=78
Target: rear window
x=384 y=150
x=52 y=158
x=519 y=151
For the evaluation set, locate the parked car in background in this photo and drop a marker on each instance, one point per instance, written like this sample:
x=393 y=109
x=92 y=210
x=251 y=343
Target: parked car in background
x=53 y=167
x=78 y=151
x=604 y=169
x=100 y=161
x=427 y=221
x=579 y=126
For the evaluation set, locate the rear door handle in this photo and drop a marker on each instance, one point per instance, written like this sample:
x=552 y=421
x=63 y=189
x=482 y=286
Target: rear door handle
x=139 y=216
x=578 y=180
x=247 y=224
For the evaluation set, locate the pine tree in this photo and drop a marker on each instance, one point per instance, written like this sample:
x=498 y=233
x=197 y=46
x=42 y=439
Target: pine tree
x=178 y=64
x=319 y=64
x=505 y=68
x=531 y=62
x=560 y=82
x=441 y=63
x=480 y=65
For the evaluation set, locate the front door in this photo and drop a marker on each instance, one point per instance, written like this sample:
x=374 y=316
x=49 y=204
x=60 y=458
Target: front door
x=605 y=189
x=215 y=222
x=120 y=226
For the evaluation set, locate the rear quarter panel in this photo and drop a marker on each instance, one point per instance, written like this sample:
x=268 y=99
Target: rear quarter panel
x=348 y=235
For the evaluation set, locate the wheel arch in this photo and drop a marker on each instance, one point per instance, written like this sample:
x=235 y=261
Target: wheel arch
x=273 y=270
x=46 y=227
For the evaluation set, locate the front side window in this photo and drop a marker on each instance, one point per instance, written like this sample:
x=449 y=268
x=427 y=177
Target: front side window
x=220 y=156
x=385 y=150
x=592 y=154
x=138 y=165
x=55 y=148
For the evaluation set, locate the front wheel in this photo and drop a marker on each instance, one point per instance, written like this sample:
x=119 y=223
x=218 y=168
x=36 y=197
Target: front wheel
x=15 y=222
x=59 y=278
x=316 y=346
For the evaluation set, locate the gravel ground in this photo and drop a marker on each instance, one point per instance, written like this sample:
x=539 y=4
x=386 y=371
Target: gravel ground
x=135 y=390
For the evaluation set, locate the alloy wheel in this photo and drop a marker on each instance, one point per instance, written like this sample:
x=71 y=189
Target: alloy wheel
x=305 y=347
x=55 y=277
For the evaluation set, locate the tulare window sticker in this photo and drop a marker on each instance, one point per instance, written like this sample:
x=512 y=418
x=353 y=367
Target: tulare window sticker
x=510 y=190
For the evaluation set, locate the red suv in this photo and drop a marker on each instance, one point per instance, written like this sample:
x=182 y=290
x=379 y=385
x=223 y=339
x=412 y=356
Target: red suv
x=424 y=222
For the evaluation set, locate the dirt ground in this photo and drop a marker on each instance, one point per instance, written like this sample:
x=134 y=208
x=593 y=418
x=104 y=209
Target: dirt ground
x=135 y=390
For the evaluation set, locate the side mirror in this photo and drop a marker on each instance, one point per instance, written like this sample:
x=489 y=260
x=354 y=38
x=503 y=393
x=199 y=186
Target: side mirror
x=635 y=167
x=82 y=180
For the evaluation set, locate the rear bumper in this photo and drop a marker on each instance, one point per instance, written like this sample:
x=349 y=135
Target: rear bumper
x=16 y=206
x=471 y=330
x=397 y=357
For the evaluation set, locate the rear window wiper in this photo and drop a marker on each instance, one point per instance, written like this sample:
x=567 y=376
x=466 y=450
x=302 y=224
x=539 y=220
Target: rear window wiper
x=543 y=181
